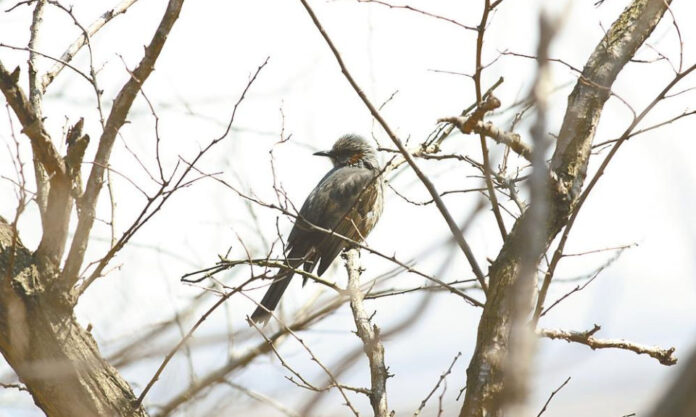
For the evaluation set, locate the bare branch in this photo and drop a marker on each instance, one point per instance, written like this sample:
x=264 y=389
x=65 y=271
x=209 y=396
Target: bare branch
x=264 y=399
x=60 y=199
x=82 y=40
x=369 y=334
x=219 y=375
x=569 y=165
x=167 y=188
x=34 y=90
x=188 y=335
x=483 y=106
x=546 y=404
x=31 y=123
x=334 y=382
x=454 y=229
x=442 y=132
x=439 y=381
x=664 y=356
x=649 y=128
x=35 y=99
x=225 y=264
x=419 y=11
x=117 y=116
x=501 y=136
x=92 y=72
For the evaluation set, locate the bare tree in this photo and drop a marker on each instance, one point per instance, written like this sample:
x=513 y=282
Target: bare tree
x=55 y=357
x=534 y=192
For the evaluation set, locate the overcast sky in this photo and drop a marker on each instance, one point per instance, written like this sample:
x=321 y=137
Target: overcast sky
x=645 y=197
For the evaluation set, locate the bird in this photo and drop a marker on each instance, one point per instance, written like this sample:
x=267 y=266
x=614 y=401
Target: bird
x=348 y=201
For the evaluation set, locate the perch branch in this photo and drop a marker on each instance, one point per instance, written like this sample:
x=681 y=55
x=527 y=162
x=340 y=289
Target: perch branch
x=369 y=334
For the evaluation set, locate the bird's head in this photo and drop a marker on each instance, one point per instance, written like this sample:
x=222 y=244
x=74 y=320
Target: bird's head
x=352 y=150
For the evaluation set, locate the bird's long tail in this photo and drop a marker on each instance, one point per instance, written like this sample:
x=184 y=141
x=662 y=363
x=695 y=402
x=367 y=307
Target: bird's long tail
x=270 y=301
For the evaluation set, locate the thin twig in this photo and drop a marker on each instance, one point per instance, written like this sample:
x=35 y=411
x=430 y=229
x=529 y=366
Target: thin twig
x=480 y=103
x=265 y=399
x=454 y=229
x=419 y=11
x=334 y=381
x=82 y=40
x=156 y=202
x=546 y=404
x=116 y=119
x=439 y=381
x=184 y=339
x=600 y=171
x=19 y=387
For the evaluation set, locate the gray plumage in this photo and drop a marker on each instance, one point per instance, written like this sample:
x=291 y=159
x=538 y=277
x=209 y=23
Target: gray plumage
x=348 y=200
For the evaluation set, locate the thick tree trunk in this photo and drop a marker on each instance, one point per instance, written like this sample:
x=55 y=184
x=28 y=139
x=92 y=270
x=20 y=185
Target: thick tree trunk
x=52 y=354
x=485 y=375
x=40 y=338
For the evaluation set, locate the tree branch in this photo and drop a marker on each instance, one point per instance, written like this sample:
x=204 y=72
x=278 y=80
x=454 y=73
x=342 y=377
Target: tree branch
x=569 y=164
x=369 y=334
x=40 y=338
x=31 y=124
x=478 y=114
x=454 y=229
x=546 y=404
x=501 y=136
x=240 y=361
x=60 y=203
x=117 y=116
x=679 y=399
x=664 y=356
x=35 y=99
x=81 y=41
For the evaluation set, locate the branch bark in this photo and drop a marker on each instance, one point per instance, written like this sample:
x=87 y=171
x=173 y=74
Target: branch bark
x=52 y=354
x=58 y=360
x=35 y=99
x=56 y=212
x=501 y=136
x=569 y=164
x=369 y=334
x=31 y=123
x=664 y=356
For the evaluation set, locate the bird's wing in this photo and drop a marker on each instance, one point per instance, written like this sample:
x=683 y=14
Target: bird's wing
x=349 y=211
x=332 y=205
x=311 y=212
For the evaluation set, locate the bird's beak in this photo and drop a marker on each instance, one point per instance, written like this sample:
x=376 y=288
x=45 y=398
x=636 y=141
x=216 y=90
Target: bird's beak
x=323 y=153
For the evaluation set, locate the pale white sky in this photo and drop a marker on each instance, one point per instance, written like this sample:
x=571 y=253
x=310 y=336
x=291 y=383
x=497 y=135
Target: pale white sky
x=645 y=196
